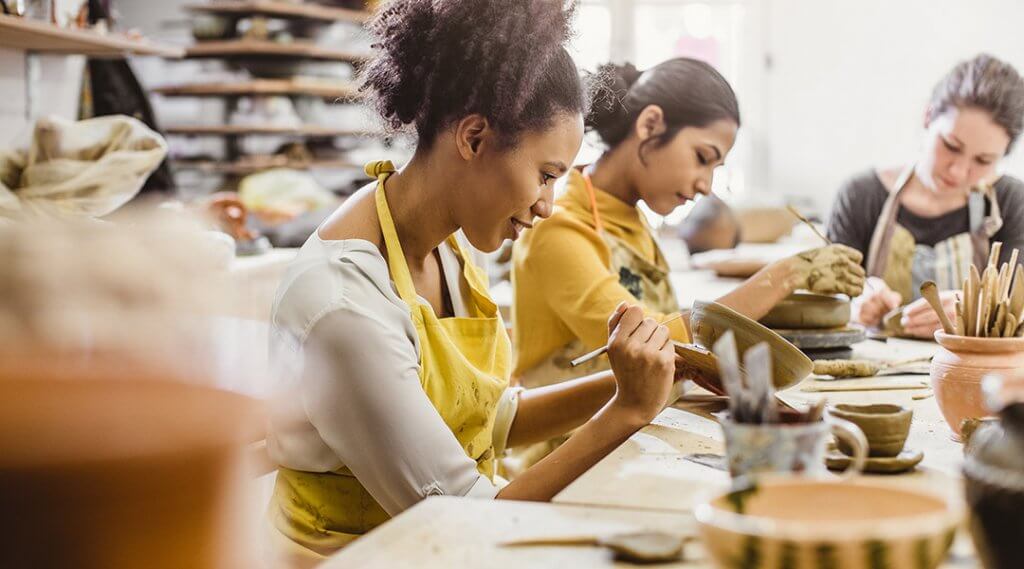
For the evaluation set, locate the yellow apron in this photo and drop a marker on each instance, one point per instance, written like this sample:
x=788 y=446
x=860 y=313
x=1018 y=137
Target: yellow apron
x=648 y=282
x=464 y=368
x=904 y=265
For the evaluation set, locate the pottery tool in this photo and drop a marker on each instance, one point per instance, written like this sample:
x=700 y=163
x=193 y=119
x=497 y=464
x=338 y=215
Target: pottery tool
x=862 y=368
x=740 y=408
x=758 y=362
x=930 y=292
x=591 y=355
x=990 y=304
x=808 y=223
x=641 y=547
x=843 y=388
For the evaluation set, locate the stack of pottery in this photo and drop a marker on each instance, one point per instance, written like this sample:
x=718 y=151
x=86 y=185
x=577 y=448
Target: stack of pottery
x=815 y=323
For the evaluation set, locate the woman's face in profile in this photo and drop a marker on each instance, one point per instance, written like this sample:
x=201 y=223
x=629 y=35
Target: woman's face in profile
x=962 y=148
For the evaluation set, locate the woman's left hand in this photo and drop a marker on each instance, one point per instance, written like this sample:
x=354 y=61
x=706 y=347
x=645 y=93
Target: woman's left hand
x=920 y=321
x=829 y=270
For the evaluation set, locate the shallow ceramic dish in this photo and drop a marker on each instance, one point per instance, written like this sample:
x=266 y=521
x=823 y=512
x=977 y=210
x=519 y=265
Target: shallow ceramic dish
x=810 y=523
x=886 y=426
x=736 y=268
x=906 y=460
x=709 y=320
x=808 y=311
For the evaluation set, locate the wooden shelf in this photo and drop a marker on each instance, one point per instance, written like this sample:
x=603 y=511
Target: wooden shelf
x=312 y=131
x=37 y=36
x=244 y=167
x=263 y=87
x=264 y=48
x=281 y=10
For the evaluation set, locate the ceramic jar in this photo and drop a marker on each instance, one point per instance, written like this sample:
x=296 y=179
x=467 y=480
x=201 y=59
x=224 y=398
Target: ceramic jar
x=994 y=479
x=958 y=367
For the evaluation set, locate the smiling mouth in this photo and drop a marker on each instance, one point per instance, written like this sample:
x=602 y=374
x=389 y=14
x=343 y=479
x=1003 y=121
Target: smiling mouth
x=682 y=197
x=518 y=226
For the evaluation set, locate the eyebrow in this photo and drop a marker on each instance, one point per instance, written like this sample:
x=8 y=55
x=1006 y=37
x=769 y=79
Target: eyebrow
x=560 y=166
x=992 y=155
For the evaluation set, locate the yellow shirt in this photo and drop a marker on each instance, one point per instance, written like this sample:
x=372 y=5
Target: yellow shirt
x=564 y=287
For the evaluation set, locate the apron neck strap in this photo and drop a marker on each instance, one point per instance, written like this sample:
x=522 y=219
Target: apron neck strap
x=878 y=250
x=593 y=200
x=397 y=266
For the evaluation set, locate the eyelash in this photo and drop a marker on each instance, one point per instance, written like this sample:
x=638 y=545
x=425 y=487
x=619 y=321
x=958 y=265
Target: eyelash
x=701 y=159
x=950 y=146
x=545 y=178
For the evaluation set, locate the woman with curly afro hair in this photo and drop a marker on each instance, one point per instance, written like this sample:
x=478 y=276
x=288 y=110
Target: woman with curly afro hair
x=396 y=361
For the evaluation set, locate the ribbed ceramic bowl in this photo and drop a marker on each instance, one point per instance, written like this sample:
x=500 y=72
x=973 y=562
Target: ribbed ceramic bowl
x=805 y=523
x=710 y=320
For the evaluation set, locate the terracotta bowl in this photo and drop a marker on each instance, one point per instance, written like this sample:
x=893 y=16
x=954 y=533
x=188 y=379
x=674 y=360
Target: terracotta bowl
x=792 y=522
x=886 y=426
x=958 y=367
x=808 y=311
x=119 y=468
x=709 y=321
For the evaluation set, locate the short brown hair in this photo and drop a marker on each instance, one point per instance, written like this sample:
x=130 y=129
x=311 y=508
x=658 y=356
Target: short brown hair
x=985 y=83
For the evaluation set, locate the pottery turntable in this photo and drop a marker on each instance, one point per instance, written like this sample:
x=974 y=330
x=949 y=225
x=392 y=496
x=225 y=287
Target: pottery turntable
x=817 y=324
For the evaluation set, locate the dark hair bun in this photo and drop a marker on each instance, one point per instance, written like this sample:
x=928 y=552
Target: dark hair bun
x=440 y=60
x=608 y=115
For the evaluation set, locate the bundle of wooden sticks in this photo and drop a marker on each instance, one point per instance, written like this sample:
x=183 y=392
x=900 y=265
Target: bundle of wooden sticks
x=990 y=304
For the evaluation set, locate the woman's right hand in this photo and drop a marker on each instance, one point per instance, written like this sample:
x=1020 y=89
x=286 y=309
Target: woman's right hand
x=877 y=301
x=643 y=361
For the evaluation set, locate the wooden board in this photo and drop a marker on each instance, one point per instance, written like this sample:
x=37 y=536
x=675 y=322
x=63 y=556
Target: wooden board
x=250 y=167
x=446 y=532
x=262 y=48
x=263 y=87
x=244 y=130
x=37 y=36
x=293 y=10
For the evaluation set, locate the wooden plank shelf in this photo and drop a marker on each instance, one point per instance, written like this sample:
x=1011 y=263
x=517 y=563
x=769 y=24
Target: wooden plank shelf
x=290 y=10
x=264 y=87
x=312 y=131
x=243 y=167
x=264 y=48
x=42 y=37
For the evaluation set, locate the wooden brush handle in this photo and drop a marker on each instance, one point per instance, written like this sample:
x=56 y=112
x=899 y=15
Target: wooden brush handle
x=930 y=292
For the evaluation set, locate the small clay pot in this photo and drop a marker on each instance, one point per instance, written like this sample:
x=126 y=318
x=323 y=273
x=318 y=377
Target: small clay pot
x=885 y=426
x=807 y=311
x=958 y=367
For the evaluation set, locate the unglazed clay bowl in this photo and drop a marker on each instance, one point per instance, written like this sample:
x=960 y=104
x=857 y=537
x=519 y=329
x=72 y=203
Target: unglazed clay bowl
x=886 y=426
x=805 y=523
x=808 y=311
x=710 y=320
x=958 y=367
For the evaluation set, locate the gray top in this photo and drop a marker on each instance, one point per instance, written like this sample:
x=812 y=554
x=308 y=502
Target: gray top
x=858 y=207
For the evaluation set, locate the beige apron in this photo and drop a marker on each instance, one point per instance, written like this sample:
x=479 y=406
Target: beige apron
x=648 y=282
x=903 y=264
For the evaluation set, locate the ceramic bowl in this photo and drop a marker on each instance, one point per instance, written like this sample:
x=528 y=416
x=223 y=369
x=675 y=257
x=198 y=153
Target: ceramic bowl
x=886 y=426
x=710 y=320
x=798 y=523
x=808 y=311
x=958 y=367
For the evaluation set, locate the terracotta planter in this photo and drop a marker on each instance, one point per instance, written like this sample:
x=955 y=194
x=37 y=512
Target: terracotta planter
x=958 y=367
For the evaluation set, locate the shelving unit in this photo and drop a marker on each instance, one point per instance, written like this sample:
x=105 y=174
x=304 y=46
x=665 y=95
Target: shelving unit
x=41 y=37
x=311 y=131
x=242 y=168
x=270 y=49
x=314 y=12
x=264 y=87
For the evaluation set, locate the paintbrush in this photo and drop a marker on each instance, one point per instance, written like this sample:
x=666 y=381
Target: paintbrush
x=591 y=355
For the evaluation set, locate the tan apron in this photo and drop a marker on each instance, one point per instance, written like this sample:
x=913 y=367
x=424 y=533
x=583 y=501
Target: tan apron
x=464 y=369
x=648 y=282
x=903 y=264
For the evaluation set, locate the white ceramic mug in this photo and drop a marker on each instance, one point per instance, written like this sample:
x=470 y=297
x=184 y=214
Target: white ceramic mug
x=789 y=447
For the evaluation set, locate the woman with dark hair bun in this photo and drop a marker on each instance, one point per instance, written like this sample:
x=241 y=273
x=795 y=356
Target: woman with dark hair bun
x=933 y=219
x=666 y=129
x=395 y=360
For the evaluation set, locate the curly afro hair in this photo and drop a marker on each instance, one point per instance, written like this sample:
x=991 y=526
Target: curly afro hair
x=440 y=60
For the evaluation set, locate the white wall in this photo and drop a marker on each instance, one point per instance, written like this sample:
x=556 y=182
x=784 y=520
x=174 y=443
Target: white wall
x=848 y=81
x=55 y=90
